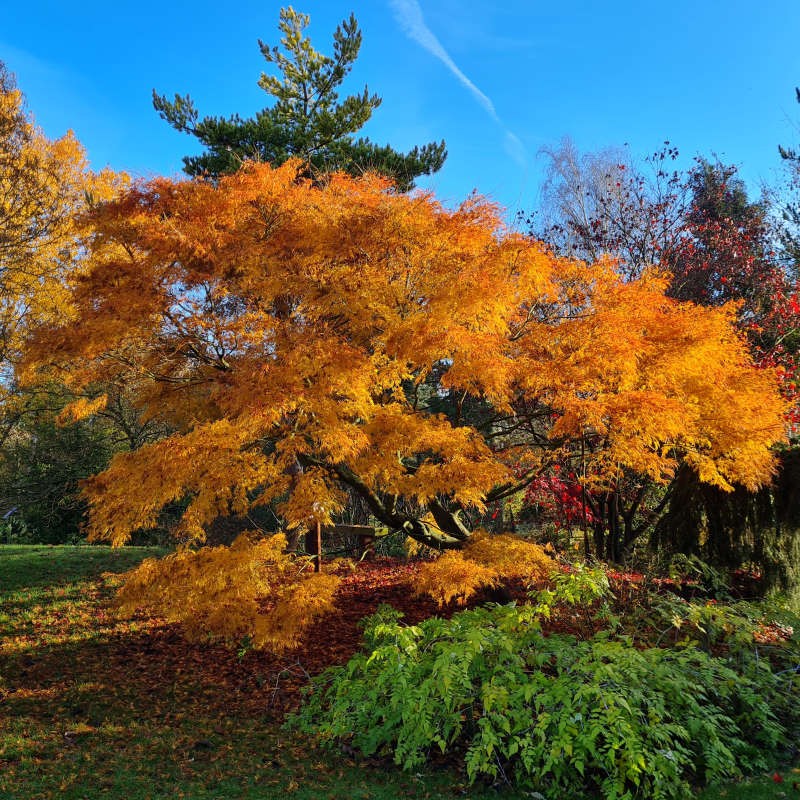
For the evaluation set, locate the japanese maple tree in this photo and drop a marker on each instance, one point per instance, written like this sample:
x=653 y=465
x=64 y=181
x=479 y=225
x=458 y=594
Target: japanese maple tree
x=289 y=332
x=309 y=342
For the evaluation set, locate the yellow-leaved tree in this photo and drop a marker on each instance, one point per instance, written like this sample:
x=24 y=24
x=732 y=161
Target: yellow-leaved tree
x=311 y=342
x=44 y=185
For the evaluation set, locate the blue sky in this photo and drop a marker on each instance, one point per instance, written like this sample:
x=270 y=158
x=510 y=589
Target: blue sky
x=497 y=80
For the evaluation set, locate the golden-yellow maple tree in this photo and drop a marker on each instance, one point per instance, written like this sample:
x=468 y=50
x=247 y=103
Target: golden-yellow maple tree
x=310 y=340
x=44 y=185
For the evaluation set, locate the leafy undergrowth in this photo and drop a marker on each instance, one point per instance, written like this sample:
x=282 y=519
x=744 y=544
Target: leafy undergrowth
x=553 y=714
x=94 y=706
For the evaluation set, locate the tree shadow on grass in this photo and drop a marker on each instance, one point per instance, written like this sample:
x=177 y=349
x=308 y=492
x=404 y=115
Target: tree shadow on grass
x=28 y=567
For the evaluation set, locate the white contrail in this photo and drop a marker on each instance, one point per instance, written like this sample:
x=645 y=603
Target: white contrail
x=409 y=15
x=515 y=148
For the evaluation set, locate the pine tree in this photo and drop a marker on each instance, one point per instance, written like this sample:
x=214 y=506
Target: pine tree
x=307 y=119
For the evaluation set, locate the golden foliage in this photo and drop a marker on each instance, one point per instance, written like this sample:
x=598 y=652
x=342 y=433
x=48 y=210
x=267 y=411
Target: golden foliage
x=251 y=589
x=452 y=576
x=483 y=562
x=81 y=408
x=44 y=186
x=208 y=464
x=510 y=556
x=647 y=382
x=298 y=337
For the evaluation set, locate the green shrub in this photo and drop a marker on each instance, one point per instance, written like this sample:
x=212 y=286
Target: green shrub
x=551 y=713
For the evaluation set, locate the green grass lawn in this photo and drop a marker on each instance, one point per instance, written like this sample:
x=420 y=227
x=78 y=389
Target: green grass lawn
x=92 y=706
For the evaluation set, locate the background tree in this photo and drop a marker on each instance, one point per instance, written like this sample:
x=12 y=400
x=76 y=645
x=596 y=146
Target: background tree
x=49 y=450
x=790 y=211
x=44 y=187
x=42 y=463
x=787 y=312
x=727 y=252
x=604 y=204
x=698 y=224
x=306 y=121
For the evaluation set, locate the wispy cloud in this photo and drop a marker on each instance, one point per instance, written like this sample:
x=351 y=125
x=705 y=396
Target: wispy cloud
x=408 y=14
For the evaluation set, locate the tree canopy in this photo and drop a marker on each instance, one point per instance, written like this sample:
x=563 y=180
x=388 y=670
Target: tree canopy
x=306 y=340
x=44 y=184
x=306 y=121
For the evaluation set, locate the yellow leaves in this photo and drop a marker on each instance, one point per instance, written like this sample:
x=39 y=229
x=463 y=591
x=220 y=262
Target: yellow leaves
x=457 y=462
x=484 y=561
x=453 y=577
x=212 y=465
x=312 y=499
x=510 y=556
x=251 y=589
x=360 y=260
x=645 y=381
x=81 y=408
x=708 y=471
x=297 y=606
x=44 y=187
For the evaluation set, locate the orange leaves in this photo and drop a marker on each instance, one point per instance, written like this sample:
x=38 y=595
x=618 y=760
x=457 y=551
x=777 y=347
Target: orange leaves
x=647 y=381
x=299 y=314
x=312 y=499
x=44 y=186
x=510 y=556
x=309 y=339
x=457 y=576
x=457 y=460
x=453 y=577
x=210 y=465
x=251 y=589
x=81 y=408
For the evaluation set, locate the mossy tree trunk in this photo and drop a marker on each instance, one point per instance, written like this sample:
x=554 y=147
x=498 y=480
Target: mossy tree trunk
x=739 y=528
